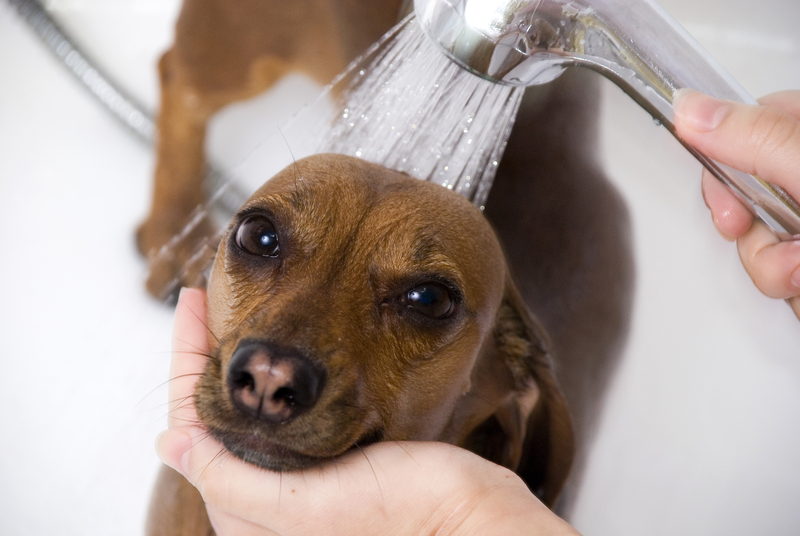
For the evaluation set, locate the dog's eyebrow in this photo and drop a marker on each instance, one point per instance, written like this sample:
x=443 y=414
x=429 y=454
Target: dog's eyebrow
x=430 y=255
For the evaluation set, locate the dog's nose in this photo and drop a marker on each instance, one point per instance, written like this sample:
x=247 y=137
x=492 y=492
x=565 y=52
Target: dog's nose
x=273 y=384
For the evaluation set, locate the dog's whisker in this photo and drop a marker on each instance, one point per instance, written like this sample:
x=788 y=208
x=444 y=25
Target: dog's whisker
x=280 y=490
x=173 y=411
x=197 y=349
x=222 y=452
x=171 y=414
x=199 y=438
x=206 y=435
x=180 y=399
x=400 y=444
x=187 y=422
x=163 y=404
x=161 y=385
x=179 y=376
x=375 y=474
x=181 y=403
x=296 y=167
x=205 y=324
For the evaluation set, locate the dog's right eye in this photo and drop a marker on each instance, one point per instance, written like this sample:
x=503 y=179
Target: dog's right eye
x=257 y=236
x=430 y=299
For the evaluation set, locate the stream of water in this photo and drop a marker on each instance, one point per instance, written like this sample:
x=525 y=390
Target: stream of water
x=408 y=107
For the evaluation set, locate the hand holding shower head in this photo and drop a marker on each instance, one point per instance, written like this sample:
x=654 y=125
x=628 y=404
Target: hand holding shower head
x=633 y=43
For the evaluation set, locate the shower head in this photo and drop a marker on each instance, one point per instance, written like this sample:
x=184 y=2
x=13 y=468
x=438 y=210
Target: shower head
x=635 y=44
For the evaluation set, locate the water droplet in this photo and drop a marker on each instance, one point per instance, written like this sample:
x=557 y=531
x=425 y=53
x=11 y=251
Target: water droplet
x=358 y=152
x=657 y=121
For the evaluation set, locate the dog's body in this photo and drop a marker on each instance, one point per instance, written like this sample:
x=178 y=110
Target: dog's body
x=566 y=237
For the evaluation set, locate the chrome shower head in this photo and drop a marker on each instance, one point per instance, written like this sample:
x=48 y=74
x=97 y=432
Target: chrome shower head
x=636 y=44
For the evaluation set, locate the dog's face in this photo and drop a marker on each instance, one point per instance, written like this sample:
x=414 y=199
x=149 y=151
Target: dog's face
x=350 y=304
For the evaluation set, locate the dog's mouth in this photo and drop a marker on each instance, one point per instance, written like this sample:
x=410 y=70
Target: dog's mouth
x=259 y=451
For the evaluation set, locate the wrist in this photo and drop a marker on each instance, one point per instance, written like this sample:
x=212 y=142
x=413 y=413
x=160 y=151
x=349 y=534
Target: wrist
x=503 y=505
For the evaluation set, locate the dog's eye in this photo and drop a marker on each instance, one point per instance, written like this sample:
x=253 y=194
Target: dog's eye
x=256 y=235
x=430 y=299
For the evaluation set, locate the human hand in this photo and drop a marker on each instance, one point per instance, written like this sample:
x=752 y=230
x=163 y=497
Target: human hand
x=386 y=488
x=761 y=140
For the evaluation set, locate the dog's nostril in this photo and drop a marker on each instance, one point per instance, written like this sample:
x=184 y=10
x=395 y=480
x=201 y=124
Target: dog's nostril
x=273 y=384
x=287 y=395
x=243 y=380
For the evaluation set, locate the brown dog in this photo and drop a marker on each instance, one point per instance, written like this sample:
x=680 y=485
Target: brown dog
x=351 y=304
x=564 y=227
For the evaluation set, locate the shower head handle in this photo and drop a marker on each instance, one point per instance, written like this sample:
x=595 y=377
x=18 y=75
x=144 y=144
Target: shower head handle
x=636 y=44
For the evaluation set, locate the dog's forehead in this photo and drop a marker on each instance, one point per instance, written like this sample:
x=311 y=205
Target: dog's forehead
x=379 y=207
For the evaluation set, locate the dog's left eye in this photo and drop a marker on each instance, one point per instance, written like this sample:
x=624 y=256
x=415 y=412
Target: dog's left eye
x=257 y=236
x=430 y=299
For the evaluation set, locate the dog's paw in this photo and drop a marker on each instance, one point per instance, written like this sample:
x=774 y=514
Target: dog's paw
x=177 y=256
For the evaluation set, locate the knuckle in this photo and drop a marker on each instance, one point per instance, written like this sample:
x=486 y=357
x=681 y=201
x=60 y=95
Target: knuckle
x=771 y=130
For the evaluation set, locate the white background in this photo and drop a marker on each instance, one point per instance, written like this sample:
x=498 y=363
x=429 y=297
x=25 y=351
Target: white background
x=701 y=434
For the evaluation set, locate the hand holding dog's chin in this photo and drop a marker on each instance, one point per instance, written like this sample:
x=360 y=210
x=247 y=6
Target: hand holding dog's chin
x=760 y=140
x=386 y=488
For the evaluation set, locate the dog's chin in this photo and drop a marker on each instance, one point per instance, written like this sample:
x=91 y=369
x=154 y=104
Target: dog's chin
x=259 y=451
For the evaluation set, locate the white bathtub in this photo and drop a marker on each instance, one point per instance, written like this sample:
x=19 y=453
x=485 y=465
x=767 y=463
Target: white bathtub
x=701 y=433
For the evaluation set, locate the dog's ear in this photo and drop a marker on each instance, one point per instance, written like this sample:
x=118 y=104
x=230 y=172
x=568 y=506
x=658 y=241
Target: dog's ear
x=530 y=430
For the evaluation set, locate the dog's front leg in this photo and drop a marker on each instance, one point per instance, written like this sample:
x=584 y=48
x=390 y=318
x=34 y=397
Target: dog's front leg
x=178 y=188
x=177 y=508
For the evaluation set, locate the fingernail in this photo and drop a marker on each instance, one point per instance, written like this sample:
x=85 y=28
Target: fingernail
x=699 y=111
x=796 y=278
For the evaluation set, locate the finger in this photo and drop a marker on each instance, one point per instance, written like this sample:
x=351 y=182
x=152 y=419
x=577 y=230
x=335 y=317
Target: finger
x=774 y=266
x=788 y=101
x=730 y=217
x=172 y=446
x=348 y=491
x=760 y=140
x=189 y=356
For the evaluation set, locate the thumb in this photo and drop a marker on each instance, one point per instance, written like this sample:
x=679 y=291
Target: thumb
x=760 y=140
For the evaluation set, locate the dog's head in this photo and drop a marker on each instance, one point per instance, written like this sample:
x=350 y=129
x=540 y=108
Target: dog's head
x=351 y=304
